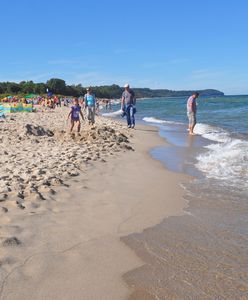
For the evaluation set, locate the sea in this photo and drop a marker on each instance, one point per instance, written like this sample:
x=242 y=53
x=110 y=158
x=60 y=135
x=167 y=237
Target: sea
x=204 y=253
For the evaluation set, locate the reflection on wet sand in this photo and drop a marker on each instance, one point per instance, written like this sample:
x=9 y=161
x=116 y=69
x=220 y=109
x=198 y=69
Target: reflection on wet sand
x=203 y=254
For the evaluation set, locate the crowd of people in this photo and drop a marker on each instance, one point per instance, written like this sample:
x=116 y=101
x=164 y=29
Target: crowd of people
x=15 y=99
x=91 y=105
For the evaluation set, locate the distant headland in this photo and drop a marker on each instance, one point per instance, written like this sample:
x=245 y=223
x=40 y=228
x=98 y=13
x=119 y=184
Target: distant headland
x=59 y=86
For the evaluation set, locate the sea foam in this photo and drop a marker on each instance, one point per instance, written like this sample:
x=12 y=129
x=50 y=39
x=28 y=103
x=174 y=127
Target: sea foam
x=158 y=121
x=225 y=160
x=113 y=114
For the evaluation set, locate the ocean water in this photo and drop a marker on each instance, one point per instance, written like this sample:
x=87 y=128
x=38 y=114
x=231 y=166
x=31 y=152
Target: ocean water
x=222 y=123
x=204 y=253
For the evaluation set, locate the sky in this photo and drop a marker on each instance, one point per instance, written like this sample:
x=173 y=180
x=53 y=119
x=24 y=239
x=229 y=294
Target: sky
x=174 y=44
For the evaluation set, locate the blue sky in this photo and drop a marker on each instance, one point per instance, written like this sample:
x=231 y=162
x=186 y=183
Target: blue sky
x=158 y=44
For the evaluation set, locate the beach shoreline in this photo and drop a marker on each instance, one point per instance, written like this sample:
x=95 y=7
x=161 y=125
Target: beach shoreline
x=115 y=214
x=203 y=253
x=76 y=233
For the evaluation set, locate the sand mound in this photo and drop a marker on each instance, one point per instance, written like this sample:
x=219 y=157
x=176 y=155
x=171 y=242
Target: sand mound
x=37 y=153
x=38 y=130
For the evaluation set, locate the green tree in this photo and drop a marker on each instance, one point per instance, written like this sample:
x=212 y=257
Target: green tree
x=2 y=87
x=40 y=88
x=56 y=85
x=27 y=87
x=13 y=88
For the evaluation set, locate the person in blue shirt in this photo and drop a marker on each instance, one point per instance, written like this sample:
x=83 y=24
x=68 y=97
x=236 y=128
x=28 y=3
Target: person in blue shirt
x=75 y=114
x=128 y=102
x=90 y=105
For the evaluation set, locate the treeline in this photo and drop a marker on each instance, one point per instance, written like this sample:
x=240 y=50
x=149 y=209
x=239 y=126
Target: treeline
x=54 y=85
x=59 y=87
x=149 y=93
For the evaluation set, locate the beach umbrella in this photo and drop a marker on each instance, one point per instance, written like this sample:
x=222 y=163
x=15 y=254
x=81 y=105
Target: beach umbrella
x=31 y=96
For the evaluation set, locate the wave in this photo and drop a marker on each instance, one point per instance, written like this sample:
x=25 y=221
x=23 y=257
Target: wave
x=113 y=114
x=158 y=121
x=212 y=133
x=225 y=160
x=115 y=101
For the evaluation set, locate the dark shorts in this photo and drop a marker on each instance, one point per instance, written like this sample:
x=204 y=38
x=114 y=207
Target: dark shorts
x=192 y=119
x=75 y=119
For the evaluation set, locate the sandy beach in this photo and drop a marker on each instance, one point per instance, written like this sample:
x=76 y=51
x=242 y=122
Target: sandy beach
x=66 y=202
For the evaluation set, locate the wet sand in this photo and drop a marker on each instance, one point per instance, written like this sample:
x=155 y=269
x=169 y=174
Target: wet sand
x=196 y=256
x=202 y=254
x=65 y=242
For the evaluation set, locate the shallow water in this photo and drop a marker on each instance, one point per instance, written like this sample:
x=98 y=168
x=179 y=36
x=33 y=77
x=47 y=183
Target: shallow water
x=223 y=124
x=203 y=254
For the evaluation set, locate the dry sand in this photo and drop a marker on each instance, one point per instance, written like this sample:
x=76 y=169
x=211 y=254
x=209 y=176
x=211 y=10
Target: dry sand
x=61 y=228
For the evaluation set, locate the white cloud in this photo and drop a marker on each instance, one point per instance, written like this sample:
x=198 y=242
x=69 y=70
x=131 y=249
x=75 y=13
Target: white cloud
x=28 y=76
x=97 y=78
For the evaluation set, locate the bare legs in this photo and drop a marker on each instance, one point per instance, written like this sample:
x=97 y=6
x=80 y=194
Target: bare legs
x=191 y=130
x=78 y=125
x=192 y=122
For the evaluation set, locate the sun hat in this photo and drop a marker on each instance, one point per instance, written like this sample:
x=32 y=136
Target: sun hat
x=126 y=85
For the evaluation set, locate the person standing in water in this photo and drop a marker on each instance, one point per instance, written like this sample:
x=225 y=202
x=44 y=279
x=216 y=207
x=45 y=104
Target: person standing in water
x=128 y=102
x=191 y=112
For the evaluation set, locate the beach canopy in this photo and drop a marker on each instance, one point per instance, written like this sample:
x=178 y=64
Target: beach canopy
x=31 y=96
